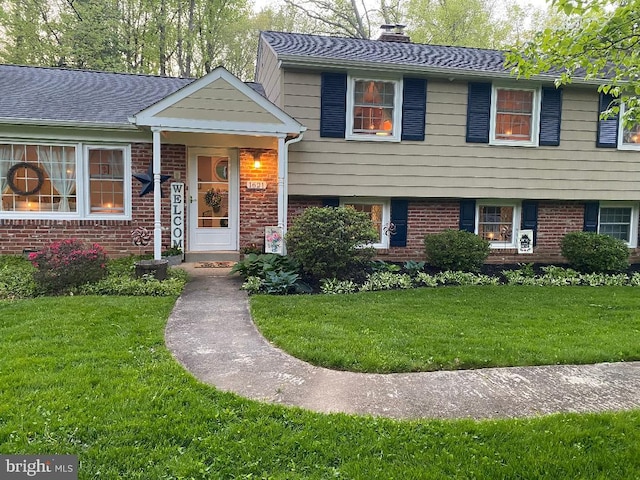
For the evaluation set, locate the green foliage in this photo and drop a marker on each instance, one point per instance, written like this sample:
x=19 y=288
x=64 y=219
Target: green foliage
x=591 y=252
x=16 y=277
x=600 y=37
x=413 y=268
x=259 y=265
x=280 y=283
x=554 y=276
x=386 y=281
x=331 y=242
x=456 y=250
x=252 y=285
x=333 y=286
x=382 y=266
x=145 y=286
x=66 y=264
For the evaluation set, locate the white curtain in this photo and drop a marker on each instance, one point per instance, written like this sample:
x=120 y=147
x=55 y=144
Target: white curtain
x=116 y=163
x=6 y=160
x=60 y=164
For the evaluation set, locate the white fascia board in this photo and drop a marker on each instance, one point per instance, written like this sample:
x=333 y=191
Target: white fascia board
x=216 y=126
x=316 y=63
x=146 y=116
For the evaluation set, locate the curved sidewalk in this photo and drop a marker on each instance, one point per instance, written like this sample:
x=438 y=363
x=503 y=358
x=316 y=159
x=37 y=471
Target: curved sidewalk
x=210 y=332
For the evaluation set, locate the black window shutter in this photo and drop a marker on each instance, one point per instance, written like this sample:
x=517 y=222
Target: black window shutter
x=468 y=215
x=550 y=116
x=591 y=211
x=530 y=216
x=478 y=112
x=399 y=218
x=333 y=105
x=331 y=202
x=414 y=107
x=607 y=129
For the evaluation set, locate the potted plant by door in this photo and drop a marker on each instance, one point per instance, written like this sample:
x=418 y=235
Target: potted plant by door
x=156 y=268
x=173 y=255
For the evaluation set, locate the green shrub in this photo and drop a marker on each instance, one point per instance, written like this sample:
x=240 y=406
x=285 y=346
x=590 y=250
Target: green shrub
x=258 y=265
x=456 y=250
x=590 y=252
x=331 y=242
x=66 y=264
x=16 y=277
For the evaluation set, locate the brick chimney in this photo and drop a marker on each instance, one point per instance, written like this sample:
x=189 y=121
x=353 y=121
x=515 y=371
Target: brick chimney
x=394 y=33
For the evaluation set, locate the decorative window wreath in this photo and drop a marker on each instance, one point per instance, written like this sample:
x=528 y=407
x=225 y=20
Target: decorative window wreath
x=11 y=178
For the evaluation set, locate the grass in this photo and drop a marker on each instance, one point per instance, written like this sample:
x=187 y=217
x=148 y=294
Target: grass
x=455 y=327
x=90 y=376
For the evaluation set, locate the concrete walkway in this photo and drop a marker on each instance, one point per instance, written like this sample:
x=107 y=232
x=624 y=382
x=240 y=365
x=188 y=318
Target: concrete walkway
x=210 y=332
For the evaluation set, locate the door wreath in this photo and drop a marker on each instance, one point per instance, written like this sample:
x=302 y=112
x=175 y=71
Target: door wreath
x=11 y=178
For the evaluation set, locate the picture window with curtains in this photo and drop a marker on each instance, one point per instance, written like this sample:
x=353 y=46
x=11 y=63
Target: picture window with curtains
x=374 y=107
x=62 y=181
x=379 y=212
x=514 y=116
x=498 y=223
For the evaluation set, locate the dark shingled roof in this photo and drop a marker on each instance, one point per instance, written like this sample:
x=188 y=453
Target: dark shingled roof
x=80 y=96
x=58 y=94
x=301 y=46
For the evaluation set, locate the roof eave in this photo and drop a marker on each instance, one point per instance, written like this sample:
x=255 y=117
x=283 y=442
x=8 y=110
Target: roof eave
x=316 y=63
x=67 y=123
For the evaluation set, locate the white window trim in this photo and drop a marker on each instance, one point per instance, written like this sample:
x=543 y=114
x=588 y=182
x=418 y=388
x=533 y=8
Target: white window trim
x=86 y=203
x=82 y=185
x=621 y=144
x=397 y=110
x=633 y=232
x=517 y=212
x=386 y=214
x=535 y=117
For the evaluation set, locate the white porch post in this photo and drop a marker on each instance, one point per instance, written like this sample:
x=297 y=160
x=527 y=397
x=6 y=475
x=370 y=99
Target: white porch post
x=157 y=192
x=282 y=184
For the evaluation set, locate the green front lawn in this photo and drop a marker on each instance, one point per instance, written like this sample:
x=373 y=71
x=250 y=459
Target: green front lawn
x=455 y=327
x=91 y=376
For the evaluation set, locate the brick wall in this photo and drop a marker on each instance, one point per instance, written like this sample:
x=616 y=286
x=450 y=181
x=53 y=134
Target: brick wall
x=555 y=219
x=258 y=208
x=113 y=235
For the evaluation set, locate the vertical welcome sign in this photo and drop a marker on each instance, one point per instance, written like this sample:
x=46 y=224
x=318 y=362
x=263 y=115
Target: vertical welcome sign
x=177 y=215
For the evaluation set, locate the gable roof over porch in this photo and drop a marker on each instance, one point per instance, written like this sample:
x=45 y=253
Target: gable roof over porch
x=218 y=103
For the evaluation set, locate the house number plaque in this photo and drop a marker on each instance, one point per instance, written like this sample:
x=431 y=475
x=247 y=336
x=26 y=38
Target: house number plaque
x=253 y=185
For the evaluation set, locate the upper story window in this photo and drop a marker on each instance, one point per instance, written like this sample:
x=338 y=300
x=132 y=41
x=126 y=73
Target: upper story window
x=63 y=181
x=515 y=116
x=378 y=210
x=374 y=109
x=630 y=138
x=498 y=223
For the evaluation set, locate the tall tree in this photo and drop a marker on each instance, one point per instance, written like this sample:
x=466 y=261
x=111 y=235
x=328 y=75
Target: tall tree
x=469 y=23
x=600 y=40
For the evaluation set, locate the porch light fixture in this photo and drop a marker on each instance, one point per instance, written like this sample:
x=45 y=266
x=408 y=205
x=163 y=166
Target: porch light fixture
x=257 y=158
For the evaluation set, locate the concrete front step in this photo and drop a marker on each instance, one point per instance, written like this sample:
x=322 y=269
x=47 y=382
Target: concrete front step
x=222 y=256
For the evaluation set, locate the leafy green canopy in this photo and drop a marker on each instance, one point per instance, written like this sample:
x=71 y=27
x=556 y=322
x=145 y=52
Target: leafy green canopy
x=600 y=41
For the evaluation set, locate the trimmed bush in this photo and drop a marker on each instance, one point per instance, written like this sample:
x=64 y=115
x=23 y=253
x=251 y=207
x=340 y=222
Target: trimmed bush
x=67 y=264
x=16 y=277
x=590 y=252
x=456 y=250
x=331 y=242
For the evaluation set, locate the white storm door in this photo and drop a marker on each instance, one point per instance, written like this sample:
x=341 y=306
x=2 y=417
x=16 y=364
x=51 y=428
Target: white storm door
x=213 y=200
